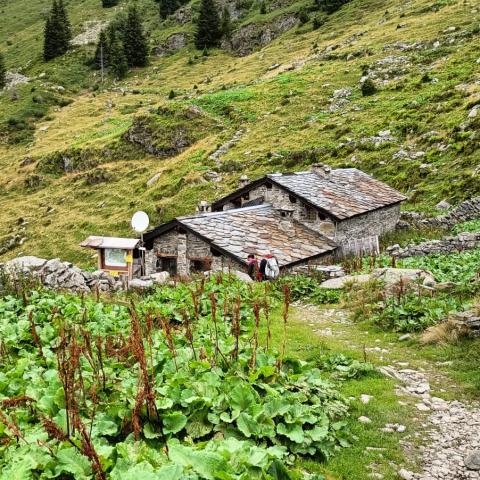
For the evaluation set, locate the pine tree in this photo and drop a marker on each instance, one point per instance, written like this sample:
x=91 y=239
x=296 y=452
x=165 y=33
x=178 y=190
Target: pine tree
x=167 y=7
x=226 y=23
x=134 y=40
x=117 y=58
x=65 y=26
x=102 y=51
x=3 y=72
x=208 y=32
x=57 y=33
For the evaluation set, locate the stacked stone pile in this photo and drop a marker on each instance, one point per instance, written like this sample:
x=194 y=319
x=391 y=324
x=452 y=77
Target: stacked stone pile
x=457 y=243
x=468 y=210
x=60 y=275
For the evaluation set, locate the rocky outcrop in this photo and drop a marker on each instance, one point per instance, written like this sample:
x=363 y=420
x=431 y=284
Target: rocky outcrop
x=253 y=36
x=458 y=243
x=60 y=275
x=173 y=43
x=90 y=34
x=168 y=131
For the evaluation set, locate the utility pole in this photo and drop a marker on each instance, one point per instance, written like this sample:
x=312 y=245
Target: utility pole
x=101 y=59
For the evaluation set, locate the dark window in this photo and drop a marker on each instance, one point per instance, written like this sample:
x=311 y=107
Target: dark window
x=292 y=198
x=246 y=196
x=310 y=214
x=321 y=217
x=268 y=186
x=199 y=265
x=167 y=264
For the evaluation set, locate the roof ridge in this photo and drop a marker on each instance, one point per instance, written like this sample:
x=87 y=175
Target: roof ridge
x=226 y=212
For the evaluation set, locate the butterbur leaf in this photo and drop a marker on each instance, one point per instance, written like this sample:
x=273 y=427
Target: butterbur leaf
x=150 y=432
x=247 y=425
x=206 y=464
x=198 y=425
x=70 y=461
x=242 y=397
x=278 y=471
x=169 y=472
x=173 y=422
x=293 y=431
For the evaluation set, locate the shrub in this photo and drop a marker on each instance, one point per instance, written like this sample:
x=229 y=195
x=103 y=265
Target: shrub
x=303 y=16
x=368 y=87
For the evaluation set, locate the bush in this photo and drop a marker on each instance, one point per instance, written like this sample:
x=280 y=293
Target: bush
x=368 y=87
x=318 y=21
x=303 y=16
x=308 y=289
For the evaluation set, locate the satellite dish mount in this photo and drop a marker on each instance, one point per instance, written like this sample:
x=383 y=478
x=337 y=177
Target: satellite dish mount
x=140 y=223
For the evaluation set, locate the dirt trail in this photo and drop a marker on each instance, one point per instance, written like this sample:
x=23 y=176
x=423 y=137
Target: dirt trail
x=451 y=429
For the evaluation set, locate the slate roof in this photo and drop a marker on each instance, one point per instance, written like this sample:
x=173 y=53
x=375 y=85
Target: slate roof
x=258 y=229
x=110 y=242
x=343 y=193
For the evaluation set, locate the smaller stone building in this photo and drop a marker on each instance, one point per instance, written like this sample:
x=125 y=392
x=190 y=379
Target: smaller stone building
x=217 y=240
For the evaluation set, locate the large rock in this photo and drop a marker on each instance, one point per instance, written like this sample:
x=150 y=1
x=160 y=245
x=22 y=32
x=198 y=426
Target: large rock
x=173 y=43
x=341 y=282
x=140 y=284
x=472 y=462
x=256 y=35
x=392 y=276
x=24 y=264
x=244 y=277
x=160 y=278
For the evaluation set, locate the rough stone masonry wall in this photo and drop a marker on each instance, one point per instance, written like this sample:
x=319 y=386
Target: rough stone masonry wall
x=280 y=198
x=369 y=224
x=468 y=210
x=458 y=243
x=186 y=247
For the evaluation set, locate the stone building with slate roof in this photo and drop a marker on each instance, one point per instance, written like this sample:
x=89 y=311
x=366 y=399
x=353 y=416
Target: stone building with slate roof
x=301 y=218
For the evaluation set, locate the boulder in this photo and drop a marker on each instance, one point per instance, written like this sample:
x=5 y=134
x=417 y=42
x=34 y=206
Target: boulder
x=244 y=277
x=139 y=284
x=24 y=264
x=443 y=205
x=392 y=276
x=160 y=278
x=472 y=462
x=341 y=282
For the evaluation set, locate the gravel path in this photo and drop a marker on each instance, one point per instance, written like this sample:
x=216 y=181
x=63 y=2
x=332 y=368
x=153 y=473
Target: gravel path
x=452 y=428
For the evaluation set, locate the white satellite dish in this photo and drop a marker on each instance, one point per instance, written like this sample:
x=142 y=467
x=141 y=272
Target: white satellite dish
x=140 y=222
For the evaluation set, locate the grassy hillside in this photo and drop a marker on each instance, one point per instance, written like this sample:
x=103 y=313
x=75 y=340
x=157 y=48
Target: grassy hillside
x=71 y=167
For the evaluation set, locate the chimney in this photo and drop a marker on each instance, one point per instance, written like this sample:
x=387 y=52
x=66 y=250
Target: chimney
x=204 y=207
x=244 y=181
x=321 y=169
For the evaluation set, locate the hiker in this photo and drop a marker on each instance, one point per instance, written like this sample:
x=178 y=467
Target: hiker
x=269 y=269
x=252 y=266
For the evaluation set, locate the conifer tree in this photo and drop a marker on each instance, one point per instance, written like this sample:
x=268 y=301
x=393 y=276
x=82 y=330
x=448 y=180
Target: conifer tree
x=117 y=58
x=3 y=72
x=226 y=23
x=65 y=27
x=102 y=51
x=134 y=40
x=167 y=7
x=208 y=32
x=57 y=33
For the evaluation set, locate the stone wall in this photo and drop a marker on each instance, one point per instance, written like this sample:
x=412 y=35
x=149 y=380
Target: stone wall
x=458 y=243
x=369 y=224
x=301 y=212
x=468 y=210
x=186 y=247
